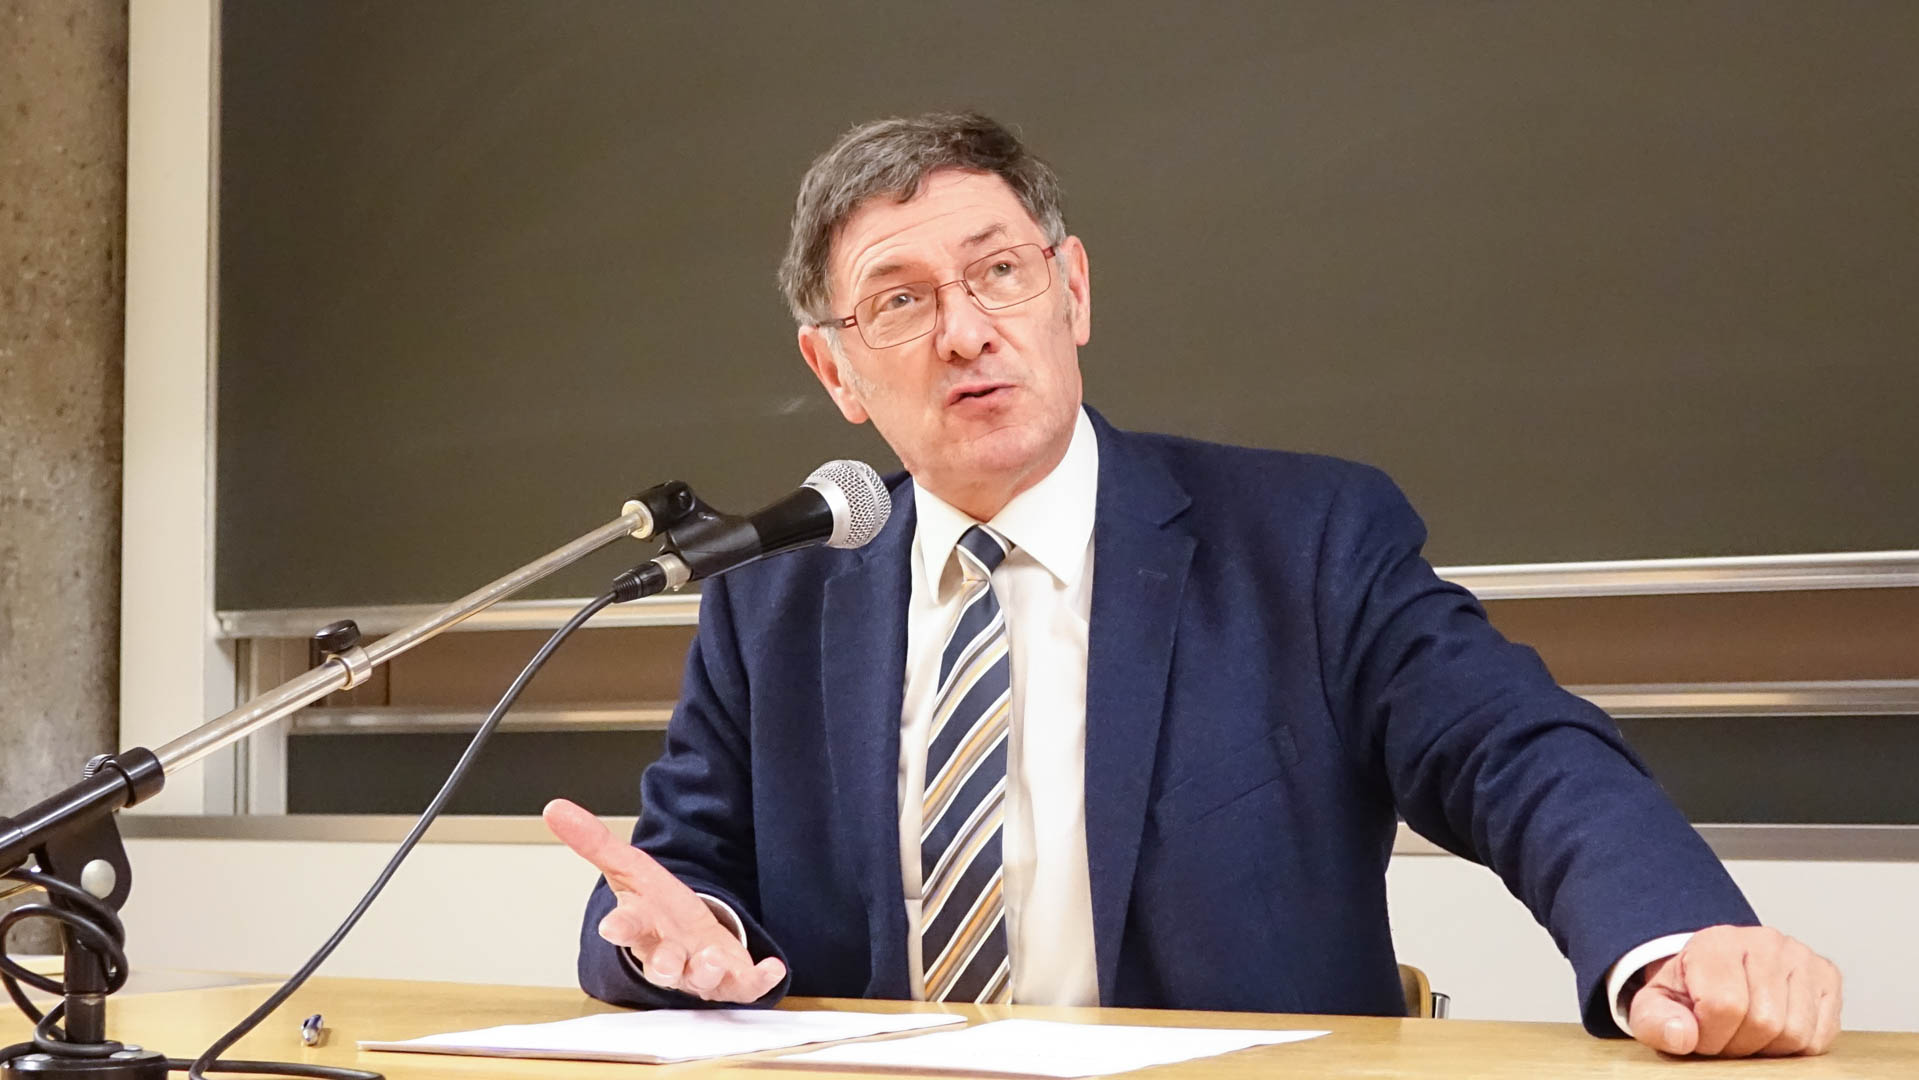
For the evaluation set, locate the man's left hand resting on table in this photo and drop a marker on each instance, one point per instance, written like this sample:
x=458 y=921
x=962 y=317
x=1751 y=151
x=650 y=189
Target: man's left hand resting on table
x=1739 y=991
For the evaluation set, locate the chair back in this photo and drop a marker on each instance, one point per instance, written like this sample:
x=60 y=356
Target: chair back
x=1421 y=1002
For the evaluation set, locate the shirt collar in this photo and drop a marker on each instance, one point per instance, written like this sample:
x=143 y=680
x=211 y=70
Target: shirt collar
x=1052 y=521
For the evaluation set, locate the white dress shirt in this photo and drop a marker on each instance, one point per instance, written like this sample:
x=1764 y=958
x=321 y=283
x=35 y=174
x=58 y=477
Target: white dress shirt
x=1045 y=588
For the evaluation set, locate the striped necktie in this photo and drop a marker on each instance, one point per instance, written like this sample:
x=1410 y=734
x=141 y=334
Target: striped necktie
x=962 y=909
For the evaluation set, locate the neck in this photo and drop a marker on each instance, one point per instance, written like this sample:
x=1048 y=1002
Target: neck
x=982 y=498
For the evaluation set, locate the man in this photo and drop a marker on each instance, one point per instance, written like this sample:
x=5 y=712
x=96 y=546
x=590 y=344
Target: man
x=1113 y=718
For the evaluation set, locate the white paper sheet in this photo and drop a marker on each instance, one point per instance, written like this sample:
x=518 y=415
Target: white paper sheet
x=665 y=1035
x=1047 y=1048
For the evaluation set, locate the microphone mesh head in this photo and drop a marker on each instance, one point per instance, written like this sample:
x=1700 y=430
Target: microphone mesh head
x=862 y=505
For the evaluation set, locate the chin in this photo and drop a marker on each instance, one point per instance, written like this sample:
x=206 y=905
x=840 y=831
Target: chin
x=1007 y=451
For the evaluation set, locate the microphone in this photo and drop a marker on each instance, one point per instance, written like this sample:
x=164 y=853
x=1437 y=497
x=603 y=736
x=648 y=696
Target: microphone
x=843 y=504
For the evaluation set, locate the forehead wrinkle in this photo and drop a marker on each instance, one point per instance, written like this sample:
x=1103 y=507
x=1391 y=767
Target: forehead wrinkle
x=996 y=230
x=892 y=265
x=908 y=245
x=884 y=269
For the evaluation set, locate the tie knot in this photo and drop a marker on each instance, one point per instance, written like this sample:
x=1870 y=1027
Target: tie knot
x=981 y=551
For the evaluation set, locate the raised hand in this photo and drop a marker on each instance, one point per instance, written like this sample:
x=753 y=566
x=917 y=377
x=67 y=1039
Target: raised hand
x=679 y=943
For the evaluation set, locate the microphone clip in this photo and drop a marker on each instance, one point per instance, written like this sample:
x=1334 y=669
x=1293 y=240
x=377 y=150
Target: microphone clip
x=693 y=540
x=661 y=507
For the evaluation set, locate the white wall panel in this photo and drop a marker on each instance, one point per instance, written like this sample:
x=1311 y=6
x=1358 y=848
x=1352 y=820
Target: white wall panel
x=508 y=913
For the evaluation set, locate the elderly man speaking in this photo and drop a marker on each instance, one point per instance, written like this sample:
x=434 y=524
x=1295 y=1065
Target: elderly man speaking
x=1114 y=718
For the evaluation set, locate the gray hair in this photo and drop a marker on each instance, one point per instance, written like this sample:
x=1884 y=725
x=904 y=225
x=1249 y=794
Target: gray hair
x=894 y=157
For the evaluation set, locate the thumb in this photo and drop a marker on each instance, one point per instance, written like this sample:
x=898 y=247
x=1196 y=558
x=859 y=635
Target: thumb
x=1662 y=1021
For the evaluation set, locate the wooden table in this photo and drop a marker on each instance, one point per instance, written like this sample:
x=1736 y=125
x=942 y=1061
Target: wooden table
x=183 y=1022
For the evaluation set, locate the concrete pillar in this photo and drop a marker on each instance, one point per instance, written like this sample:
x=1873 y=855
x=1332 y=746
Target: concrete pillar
x=63 y=135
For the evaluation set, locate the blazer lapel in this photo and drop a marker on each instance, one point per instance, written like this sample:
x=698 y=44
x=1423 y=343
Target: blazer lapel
x=1140 y=564
x=863 y=646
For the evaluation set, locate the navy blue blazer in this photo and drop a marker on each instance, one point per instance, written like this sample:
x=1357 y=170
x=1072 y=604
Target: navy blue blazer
x=1274 y=674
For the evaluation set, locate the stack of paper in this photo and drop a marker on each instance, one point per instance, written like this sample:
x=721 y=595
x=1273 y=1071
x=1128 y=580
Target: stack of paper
x=1047 y=1048
x=665 y=1035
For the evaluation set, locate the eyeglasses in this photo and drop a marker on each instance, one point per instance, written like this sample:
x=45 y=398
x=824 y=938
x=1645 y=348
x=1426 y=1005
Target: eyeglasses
x=903 y=313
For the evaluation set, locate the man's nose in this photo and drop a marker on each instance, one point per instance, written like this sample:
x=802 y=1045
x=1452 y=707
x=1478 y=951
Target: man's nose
x=965 y=329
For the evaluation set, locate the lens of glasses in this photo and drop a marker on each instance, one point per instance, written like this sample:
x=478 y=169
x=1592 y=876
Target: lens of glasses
x=1000 y=280
x=1008 y=277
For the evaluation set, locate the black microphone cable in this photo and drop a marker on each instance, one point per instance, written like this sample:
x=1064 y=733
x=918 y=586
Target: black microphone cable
x=207 y=1062
x=96 y=925
x=100 y=929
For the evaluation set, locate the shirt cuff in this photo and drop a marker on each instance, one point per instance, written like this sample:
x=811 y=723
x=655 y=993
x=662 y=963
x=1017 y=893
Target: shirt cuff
x=721 y=910
x=731 y=919
x=1632 y=964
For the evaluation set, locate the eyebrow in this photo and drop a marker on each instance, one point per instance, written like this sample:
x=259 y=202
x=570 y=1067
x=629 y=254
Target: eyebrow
x=988 y=233
x=887 y=269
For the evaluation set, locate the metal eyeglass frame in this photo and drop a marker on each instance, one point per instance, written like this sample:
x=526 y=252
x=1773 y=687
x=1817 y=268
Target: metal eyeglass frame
x=1046 y=257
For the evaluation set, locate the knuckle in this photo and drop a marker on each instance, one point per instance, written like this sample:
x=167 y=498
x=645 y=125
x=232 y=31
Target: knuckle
x=1765 y=1024
x=1714 y=1004
x=1793 y=1040
x=709 y=966
x=1713 y=935
x=1786 y=1045
x=1721 y=1015
x=668 y=959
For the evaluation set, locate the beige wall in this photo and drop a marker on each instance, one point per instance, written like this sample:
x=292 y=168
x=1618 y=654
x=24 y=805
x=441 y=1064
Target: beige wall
x=174 y=674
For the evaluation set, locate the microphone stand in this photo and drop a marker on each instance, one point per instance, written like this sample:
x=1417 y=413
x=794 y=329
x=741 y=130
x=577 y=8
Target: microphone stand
x=72 y=838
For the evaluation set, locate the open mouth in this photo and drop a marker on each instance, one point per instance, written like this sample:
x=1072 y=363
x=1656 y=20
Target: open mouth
x=975 y=393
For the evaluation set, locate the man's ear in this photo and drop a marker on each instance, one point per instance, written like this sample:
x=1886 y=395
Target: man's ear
x=826 y=365
x=1079 y=288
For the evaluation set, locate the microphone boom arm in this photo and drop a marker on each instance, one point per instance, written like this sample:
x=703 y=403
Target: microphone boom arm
x=134 y=775
x=75 y=844
x=350 y=668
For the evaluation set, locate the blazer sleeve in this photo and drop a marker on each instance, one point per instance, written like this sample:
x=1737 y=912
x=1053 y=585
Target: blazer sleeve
x=696 y=814
x=1487 y=757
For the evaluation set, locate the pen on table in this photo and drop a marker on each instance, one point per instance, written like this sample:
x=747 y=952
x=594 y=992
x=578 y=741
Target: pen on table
x=313 y=1030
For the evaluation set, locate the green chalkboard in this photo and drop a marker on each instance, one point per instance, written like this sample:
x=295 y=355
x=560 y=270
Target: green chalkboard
x=1592 y=279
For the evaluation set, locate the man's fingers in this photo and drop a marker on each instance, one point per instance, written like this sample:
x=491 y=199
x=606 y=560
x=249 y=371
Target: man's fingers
x=1810 y=978
x=1831 y=996
x=718 y=973
x=1713 y=973
x=1801 y=1015
x=1662 y=1022
x=625 y=866
x=629 y=926
x=665 y=966
x=1746 y=990
x=752 y=984
x=1826 y=1029
x=632 y=873
x=709 y=968
x=1768 y=997
x=678 y=942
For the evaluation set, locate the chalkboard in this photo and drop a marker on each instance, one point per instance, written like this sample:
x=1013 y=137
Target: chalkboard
x=1592 y=280
x=1768 y=770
